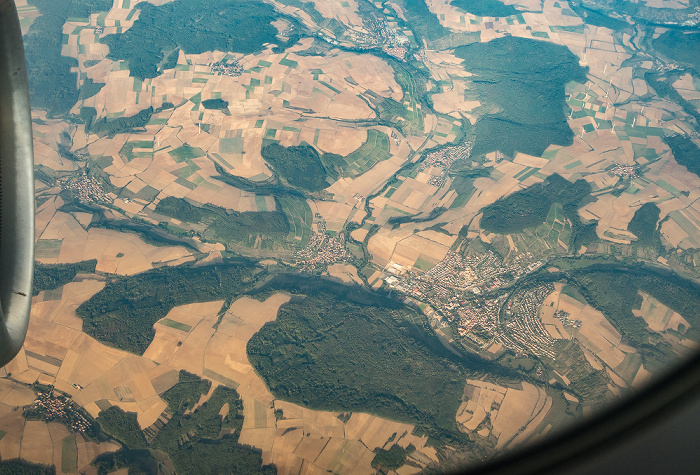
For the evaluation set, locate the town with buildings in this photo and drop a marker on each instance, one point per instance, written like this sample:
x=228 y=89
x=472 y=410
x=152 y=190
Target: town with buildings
x=322 y=250
x=522 y=326
x=446 y=156
x=460 y=289
x=228 y=68
x=50 y=406
x=362 y=39
x=86 y=187
x=624 y=171
x=564 y=318
x=379 y=32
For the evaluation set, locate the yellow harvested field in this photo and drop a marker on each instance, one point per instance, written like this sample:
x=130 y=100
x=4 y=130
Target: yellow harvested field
x=440 y=238
x=116 y=253
x=36 y=443
x=616 y=378
x=286 y=462
x=642 y=378
x=516 y=412
x=684 y=85
x=413 y=194
x=599 y=335
x=479 y=397
x=344 y=12
x=345 y=272
x=384 y=243
x=452 y=101
x=551 y=303
x=261 y=438
x=335 y=214
x=309 y=448
x=674 y=233
x=15 y=395
x=58 y=433
x=315 y=423
x=190 y=355
x=658 y=316
x=530 y=161
x=592 y=359
x=345 y=457
x=149 y=416
x=541 y=411
x=381 y=247
x=234 y=141
x=369 y=181
x=376 y=432
x=341 y=140
x=595 y=333
x=12 y=423
x=87 y=451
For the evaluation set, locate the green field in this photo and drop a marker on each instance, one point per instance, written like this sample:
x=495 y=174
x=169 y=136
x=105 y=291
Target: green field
x=424 y=263
x=185 y=153
x=407 y=114
x=127 y=151
x=300 y=218
x=47 y=248
x=176 y=325
x=69 y=455
x=544 y=239
x=571 y=291
x=374 y=150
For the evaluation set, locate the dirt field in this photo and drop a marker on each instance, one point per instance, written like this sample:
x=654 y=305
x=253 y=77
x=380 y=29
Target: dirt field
x=658 y=316
x=517 y=410
x=514 y=413
x=599 y=339
x=116 y=253
x=480 y=397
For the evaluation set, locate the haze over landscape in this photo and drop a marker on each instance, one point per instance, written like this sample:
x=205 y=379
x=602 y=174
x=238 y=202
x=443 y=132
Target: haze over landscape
x=288 y=236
